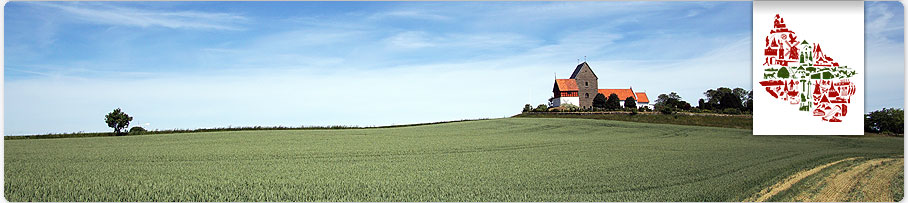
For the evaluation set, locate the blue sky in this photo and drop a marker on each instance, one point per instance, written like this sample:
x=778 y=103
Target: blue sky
x=217 y=64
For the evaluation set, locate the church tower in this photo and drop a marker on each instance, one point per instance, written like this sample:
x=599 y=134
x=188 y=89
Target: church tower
x=587 y=83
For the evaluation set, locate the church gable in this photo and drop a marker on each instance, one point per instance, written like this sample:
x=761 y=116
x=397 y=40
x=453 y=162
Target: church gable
x=583 y=70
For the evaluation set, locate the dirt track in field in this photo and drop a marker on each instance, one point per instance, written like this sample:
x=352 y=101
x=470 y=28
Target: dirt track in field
x=767 y=193
x=866 y=181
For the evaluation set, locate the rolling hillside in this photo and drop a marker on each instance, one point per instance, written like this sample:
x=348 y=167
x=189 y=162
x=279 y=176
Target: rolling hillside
x=513 y=159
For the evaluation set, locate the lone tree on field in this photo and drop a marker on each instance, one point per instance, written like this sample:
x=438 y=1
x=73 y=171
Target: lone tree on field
x=117 y=120
x=599 y=101
x=613 y=102
x=630 y=103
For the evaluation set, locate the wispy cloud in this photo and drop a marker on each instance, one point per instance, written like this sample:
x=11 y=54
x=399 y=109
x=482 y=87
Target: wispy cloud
x=410 y=40
x=879 y=21
x=125 y=16
x=884 y=50
x=408 y=14
x=421 y=39
x=346 y=65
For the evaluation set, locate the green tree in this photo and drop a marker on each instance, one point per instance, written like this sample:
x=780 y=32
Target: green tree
x=527 y=108
x=672 y=100
x=599 y=101
x=613 y=102
x=887 y=120
x=630 y=103
x=683 y=105
x=720 y=98
x=713 y=96
x=729 y=100
x=668 y=103
x=117 y=120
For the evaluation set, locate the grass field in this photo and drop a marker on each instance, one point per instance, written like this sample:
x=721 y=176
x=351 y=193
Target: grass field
x=513 y=159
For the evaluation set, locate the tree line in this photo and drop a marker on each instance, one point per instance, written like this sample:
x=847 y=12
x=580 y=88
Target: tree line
x=724 y=100
x=600 y=103
x=719 y=100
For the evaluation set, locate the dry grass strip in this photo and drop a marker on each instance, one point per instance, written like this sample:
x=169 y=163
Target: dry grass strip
x=871 y=179
x=767 y=193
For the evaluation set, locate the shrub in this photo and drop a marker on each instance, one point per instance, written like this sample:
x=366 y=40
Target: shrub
x=644 y=109
x=665 y=109
x=541 y=108
x=137 y=130
x=527 y=108
x=731 y=111
x=570 y=107
x=633 y=111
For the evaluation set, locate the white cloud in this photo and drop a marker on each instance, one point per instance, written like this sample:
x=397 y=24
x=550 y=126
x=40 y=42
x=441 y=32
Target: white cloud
x=411 y=14
x=409 y=40
x=880 y=19
x=884 y=56
x=421 y=39
x=115 y=15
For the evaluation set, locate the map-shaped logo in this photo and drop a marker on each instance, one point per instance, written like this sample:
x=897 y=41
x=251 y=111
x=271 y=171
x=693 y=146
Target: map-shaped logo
x=799 y=73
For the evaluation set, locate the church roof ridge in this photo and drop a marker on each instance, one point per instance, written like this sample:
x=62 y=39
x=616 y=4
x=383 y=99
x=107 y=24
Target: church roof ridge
x=580 y=66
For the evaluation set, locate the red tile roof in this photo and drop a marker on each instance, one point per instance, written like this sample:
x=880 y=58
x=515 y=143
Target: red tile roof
x=622 y=93
x=566 y=84
x=641 y=97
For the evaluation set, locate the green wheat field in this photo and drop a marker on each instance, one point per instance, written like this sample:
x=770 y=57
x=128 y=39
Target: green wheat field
x=512 y=159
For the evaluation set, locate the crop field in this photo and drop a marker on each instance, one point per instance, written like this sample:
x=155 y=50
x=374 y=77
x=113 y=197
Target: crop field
x=513 y=159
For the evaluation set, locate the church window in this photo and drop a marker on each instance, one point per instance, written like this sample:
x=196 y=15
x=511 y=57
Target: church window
x=587 y=95
x=586 y=83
